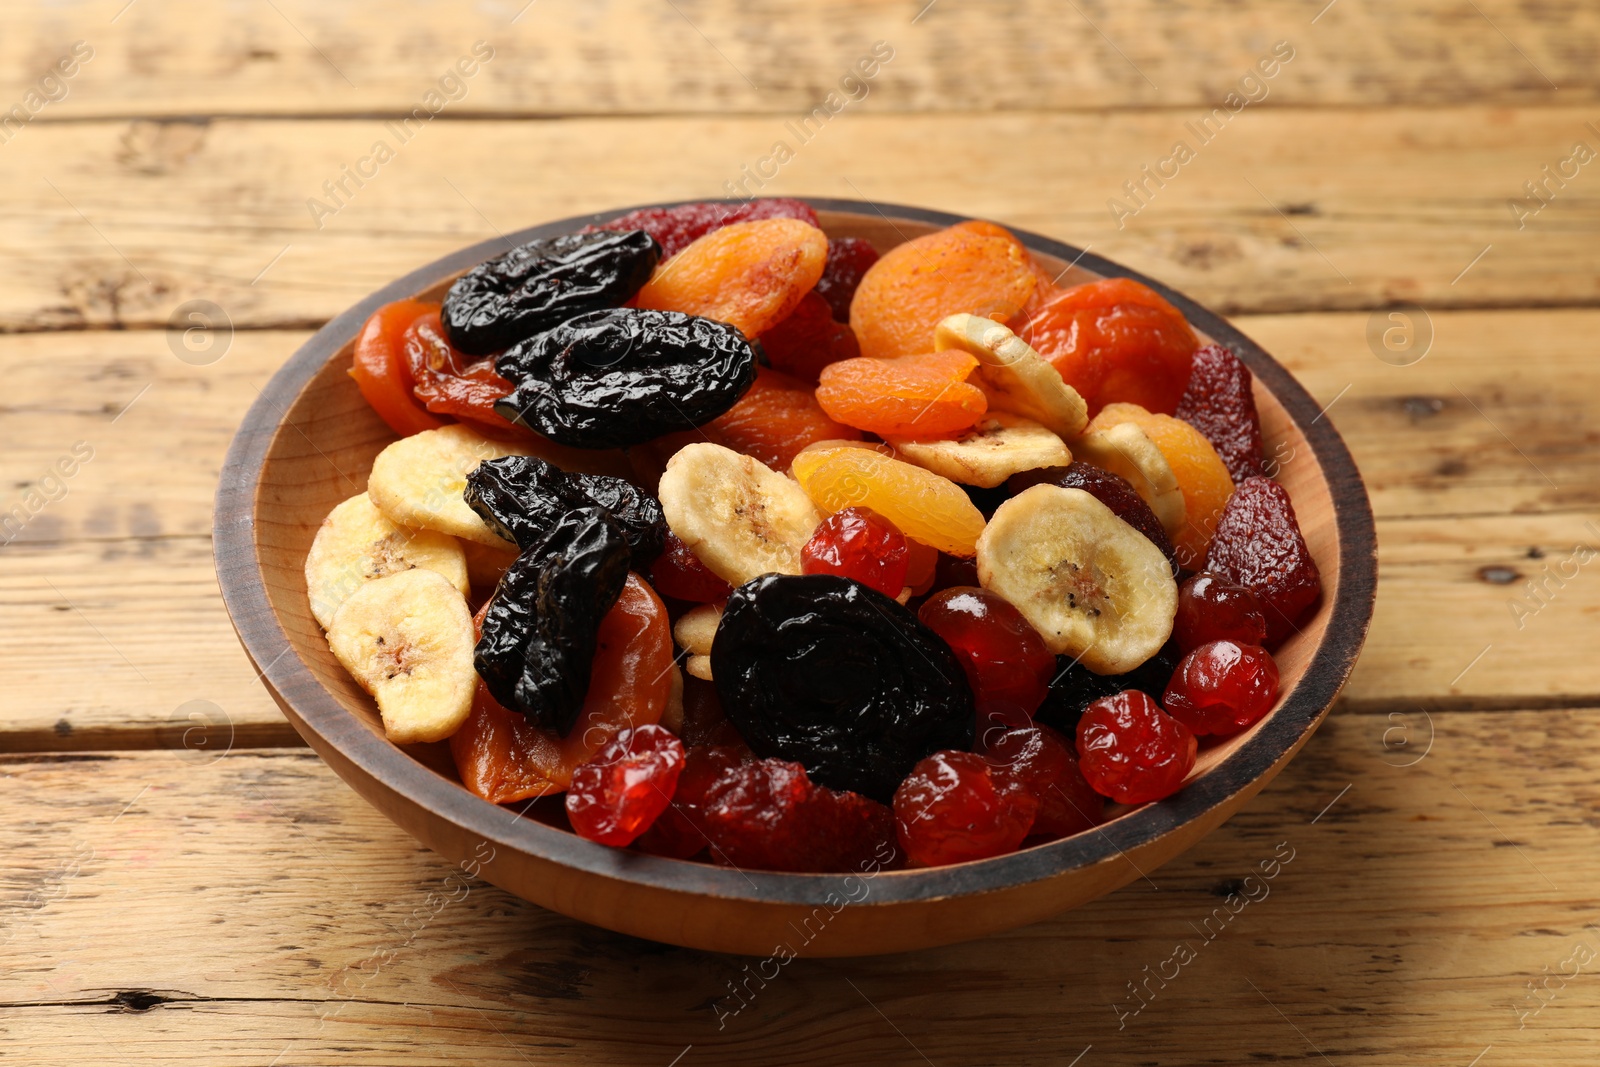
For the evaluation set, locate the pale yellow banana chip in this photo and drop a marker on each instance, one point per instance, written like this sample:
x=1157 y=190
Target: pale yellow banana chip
x=358 y=543
x=994 y=448
x=1013 y=376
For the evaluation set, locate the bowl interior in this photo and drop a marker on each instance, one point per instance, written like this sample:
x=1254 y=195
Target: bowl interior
x=309 y=443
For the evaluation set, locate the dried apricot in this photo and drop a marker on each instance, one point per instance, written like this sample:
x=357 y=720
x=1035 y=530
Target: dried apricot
x=1114 y=340
x=503 y=757
x=926 y=507
x=919 y=283
x=776 y=419
x=808 y=340
x=750 y=274
x=1044 y=280
x=913 y=396
x=1202 y=476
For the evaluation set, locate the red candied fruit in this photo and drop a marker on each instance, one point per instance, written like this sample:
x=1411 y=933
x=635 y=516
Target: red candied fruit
x=679 y=832
x=861 y=544
x=922 y=567
x=678 y=573
x=953 y=807
x=1043 y=762
x=676 y=228
x=848 y=260
x=1007 y=663
x=808 y=340
x=1222 y=687
x=1211 y=608
x=1131 y=750
x=769 y=815
x=1258 y=545
x=626 y=785
x=1112 y=490
x=1219 y=403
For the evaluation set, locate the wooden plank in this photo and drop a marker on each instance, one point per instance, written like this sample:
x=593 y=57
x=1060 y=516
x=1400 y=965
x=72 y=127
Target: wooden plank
x=112 y=622
x=119 y=225
x=1416 y=904
x=299 y=57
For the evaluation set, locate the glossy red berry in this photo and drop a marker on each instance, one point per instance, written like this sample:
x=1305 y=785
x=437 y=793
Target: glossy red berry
x=678 y=573
x=1222 y=687
x=1007 y=662
x=769 y=815
x=953 y=807
x=1131 y=750
x=861 y=544
x=1044 y=763
x=617 y=794
x=1211 y=608
x=680 y=830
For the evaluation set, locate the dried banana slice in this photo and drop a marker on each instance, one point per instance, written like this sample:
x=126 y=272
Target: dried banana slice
x=996 y=447
x=1013 y=376
x=1092 y=585
x=418 y=480
x=358 y=543
x=698 y=667
x=1126 y=450
x=697 y=628
x=740 y=517
x=407 y=639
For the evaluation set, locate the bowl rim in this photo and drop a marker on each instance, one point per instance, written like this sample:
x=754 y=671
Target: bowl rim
x=292 y=682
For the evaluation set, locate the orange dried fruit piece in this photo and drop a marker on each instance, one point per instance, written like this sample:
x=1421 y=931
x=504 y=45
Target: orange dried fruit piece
x=1202 y=476
x=750 y=274
x=922 y=395
x=924 y=506
x=916 y=284
x=1115 y=340
x=776 y=419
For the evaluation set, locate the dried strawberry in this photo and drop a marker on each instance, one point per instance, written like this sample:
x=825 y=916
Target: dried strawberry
x=1258 y=544
x=769 y=815
x=954 y=807
x=848 y=260
x=680 y=830
x=808 y=340
x=675 y=228
x=1219 y=403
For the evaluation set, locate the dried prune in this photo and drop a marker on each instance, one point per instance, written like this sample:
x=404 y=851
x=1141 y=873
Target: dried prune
x=676 y=228
x=523 y=497
x=538 y=285
x=538 y=641
x=620 y=377
x=1075 y=686
x=1112 y=490
x=1220 y=404
x=828 y=672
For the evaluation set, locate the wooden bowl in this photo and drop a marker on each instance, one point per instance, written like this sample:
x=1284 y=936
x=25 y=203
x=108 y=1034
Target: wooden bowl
x=308 y=443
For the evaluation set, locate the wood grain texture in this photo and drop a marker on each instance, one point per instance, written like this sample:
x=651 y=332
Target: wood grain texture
x=118 y=224
x=561 y=57
x=1404 y=928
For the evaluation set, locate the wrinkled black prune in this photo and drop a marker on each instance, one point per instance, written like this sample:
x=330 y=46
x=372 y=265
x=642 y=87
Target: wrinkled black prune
x=610 y=379
x=523 y=497
x=537 y=645
x=827 y=672
x=543 y=283
x=1075 y=686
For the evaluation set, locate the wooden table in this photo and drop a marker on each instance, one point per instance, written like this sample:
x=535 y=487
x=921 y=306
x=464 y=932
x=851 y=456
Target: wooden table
x=178 y=892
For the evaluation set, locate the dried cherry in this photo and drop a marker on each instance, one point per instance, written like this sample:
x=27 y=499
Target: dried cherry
x=861 y=544
x=523 y=497
x=826 y=671
x=1075 y=686
x=620 y=792
x=1007 y=662
x=539 y=634
x=1131 y=750
x=1211 y=608
x=680 y=831
x=1045 y=764
x=678 y=573
x=619 y=377
x=848 y=261
x=954 y=807
x=1222 y=687
x=535 y=286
